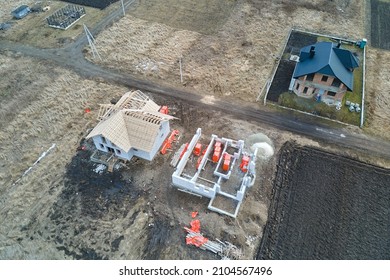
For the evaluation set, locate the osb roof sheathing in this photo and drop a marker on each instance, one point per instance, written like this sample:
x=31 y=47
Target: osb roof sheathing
x=133 y=122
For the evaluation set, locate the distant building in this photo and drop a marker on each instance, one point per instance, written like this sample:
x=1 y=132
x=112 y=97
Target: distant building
x=21 y=12
x=324 y=71
x=132 y=127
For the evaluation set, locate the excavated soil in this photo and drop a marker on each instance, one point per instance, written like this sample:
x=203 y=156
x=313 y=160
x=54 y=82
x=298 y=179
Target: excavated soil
x=327 y=206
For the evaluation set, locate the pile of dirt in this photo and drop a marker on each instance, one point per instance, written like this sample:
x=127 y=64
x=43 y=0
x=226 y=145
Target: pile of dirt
x=326 y=206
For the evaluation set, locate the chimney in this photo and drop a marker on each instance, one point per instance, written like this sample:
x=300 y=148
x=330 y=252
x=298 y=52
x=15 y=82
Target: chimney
x=338 y=44
x=312 y=51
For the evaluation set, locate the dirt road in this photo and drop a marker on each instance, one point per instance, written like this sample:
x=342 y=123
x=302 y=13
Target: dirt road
x=72 y=59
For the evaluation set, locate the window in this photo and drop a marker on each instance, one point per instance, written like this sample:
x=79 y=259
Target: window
x=102 y=146
x=336 y=82
x=331 y=93
x=305 y=90
x=118 y=151
x=297 y=88
x=104 y=140
x=310 y=77
x=324 y=78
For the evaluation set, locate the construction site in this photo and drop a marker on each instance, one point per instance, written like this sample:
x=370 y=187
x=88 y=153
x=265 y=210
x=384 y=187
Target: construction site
x=133 y=130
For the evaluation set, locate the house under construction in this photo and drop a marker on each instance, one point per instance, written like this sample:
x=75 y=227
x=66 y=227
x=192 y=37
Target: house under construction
x=132 y=127
x=222 y=171
x=66 y=17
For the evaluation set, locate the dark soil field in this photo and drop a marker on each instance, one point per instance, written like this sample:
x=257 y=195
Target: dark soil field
x=380 y=24
x=281 y=80
x=327 y=206
x=286 y=67
x=100 y=4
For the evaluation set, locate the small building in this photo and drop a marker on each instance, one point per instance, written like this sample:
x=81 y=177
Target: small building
x=132 y=127
x=325 y=72
x=21 y=12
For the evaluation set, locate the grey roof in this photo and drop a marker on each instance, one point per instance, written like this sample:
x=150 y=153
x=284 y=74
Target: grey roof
x=328 y=59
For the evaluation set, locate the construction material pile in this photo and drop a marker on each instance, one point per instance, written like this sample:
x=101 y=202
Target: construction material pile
x=225 y=250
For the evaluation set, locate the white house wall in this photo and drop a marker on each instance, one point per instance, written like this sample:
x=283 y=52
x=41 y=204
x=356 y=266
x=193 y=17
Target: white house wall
x=162 y=135
x=160 y=138
x=98 y=141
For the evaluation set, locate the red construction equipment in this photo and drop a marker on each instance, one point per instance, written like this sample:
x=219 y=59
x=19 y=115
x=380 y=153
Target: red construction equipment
x=197 y=240
x=194 y=237
x=168 y=142
x=195 y=225
x=164 y=110
x=217 y=151
x=244 y=163
x=226 y=162
x=197 y=149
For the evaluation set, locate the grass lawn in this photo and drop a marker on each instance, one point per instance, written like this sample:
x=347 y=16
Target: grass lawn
x=291 y=100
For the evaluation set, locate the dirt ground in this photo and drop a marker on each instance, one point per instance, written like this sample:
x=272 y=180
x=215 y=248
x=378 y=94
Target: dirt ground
x=324 y=208
x=62 y=209
x=41 y=105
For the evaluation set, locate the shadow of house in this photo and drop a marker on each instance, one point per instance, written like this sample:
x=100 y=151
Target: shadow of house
x=324 y=71
x=21 y=12
x=132 y=127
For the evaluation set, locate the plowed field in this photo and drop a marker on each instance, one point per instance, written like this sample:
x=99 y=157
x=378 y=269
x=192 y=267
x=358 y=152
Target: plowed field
x=327 y=206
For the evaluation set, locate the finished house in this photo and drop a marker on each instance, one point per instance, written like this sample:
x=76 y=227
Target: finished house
x=324 y=71
x=133 y=126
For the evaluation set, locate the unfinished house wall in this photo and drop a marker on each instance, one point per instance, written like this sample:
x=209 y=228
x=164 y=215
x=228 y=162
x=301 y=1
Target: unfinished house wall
x=105 y=145
x=160 y=138
x=222 y=179
x=329 y=94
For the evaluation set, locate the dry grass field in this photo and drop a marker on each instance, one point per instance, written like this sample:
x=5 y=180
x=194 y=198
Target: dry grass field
x=34 y=30
x=230 y=55
x=41 y=105
x=377 y=93
x=42 y=210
